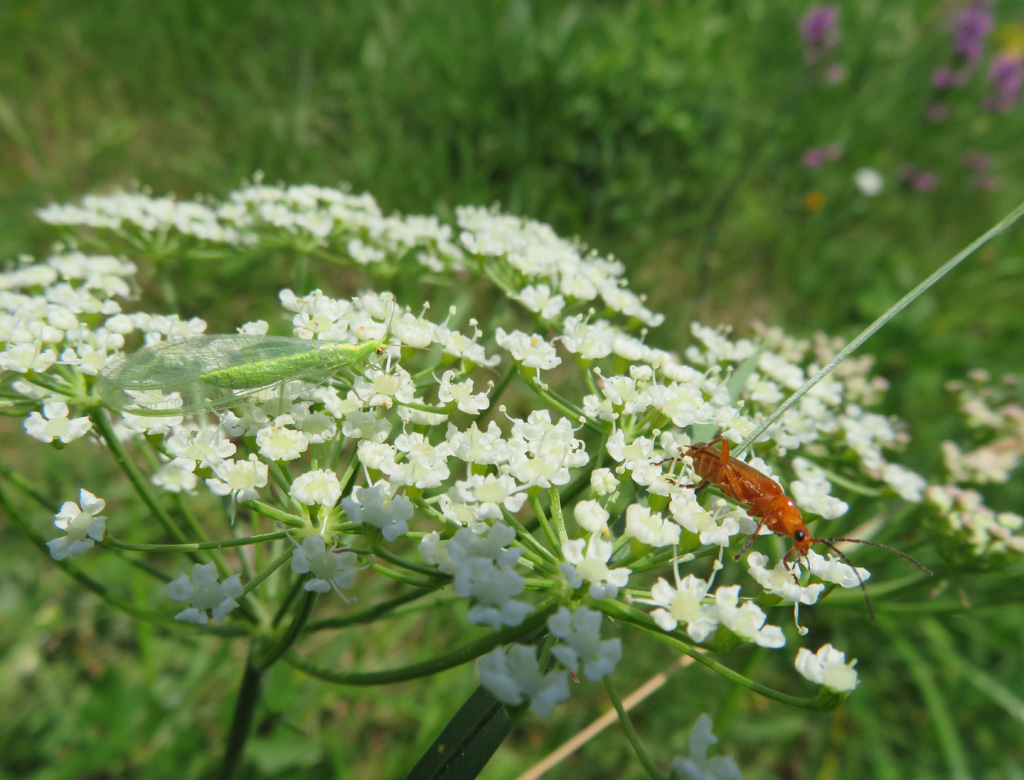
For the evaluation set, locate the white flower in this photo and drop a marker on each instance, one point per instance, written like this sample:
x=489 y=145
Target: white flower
x=700 y=766
x=331 y=569
x=425 y=464
x=688 y=512
x=593 y=567
x=178 y=476
x=650 y=527
x=461 y=346
x=909 y=485
x=461 y=393
x=540 y=300
x=530 y=350
x=811 y=491
x=682 y=604
x=483 y=569
x=53 y=423
x=433 y=551
x=625 y=394
x=869 y=181
x=632 y=455
x=782 y=581
x=317 y=426
x=240 y=479
x=205 y=594
x=83 y=526
x=379 y=388
x=746 y=620
x=835 y=570
x=581 y=632
x=492 y=492
x=204 y=447
x=514 y=677
x=603 y=482
x=279 y=442
x=475 y=446
x=485 y=541
x=156 y=426
x=683 y=403
x=381 y=506
x=317 y=487
x=542 y=453
x=492 y=587
x=23 y=358
x=827 y=667
x=591 y=516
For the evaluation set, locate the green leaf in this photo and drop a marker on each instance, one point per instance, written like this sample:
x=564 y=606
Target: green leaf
x=467 y=742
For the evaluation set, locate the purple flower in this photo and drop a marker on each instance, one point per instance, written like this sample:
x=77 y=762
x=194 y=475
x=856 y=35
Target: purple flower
x=817 y=25
x=973 y=24
x=976 y=161
x=819 y=29
x=942 y=78
x=813 y=158
x=1007 y=73
x=925 y=181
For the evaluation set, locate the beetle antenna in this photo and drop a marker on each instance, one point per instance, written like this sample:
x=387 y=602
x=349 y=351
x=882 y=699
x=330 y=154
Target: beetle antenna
x=860 y=580
x=900 y=553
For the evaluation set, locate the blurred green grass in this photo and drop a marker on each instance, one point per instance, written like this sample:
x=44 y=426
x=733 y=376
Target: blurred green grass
x=668 y=133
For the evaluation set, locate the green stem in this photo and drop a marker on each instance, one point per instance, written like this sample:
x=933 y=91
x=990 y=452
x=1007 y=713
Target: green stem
x=276 y=564
x=99 y=419
x=631 y=735
x=249 y=692
x=438 y=663
x=674 y=639
x=272 y=648
x=429 y=511
x=564 y=405
x=419 y=568
x=367 y=615
x=402 y=577
x=193 y=546
x=527 y=539
x=557 y=516
x=275 y=513
x=26 y=487
x=423 y=407
x=542 y=518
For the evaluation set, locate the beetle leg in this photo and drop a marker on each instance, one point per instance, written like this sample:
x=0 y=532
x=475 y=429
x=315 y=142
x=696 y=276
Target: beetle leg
x=750 y=540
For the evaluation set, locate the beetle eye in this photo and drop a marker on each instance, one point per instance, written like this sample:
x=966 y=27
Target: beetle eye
x=799 y=536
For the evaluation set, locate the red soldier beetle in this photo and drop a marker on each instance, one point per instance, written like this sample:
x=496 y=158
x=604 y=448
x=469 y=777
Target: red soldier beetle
x=766 y=500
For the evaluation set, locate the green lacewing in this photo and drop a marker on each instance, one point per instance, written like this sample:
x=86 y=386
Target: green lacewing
x=203 y=373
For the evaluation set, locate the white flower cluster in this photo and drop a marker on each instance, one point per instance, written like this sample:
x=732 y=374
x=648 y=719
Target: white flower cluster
x=304 y=216
x=994 y=414
x=483 y=497
x=981 y=530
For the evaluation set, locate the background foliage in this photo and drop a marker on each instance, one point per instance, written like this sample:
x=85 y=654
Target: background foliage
x=671 y=134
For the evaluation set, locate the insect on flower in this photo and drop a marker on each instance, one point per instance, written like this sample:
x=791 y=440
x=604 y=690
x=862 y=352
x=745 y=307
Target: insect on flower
x=766 y=500
x=203 y=373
